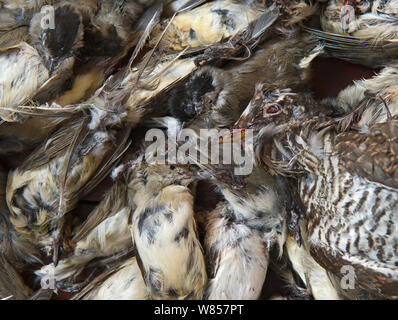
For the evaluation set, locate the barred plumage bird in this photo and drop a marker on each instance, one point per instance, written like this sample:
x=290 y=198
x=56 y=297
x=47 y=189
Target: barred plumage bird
x=347 y=183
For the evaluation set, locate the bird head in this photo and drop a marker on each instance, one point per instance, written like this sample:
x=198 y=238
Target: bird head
x=57 y=33
x=189 y=98
x=273 y=107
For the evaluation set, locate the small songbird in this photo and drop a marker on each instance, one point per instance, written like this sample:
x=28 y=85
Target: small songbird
x=368 y=101
x=239 y=234
x=361 y=32
x=315 y=277
x=215 y=97
x=51 y=180
x=347 y=184
x=33 y=56
x=39 y=70
x=168 y=251
x=24 y=73
x=84 y=77
x=109 y=26
x=105 y=233
x=145 y=87
x=15 y=252
x=41 y=67
x=207 y=24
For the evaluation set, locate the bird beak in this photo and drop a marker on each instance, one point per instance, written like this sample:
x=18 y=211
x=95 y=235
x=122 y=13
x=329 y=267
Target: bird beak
x=247 y=116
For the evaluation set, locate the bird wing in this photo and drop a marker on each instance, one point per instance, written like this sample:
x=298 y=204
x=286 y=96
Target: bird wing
x=356 y=50
x=54 y=146
x=11 y=283
x=369 y=275
x=372 y=156
x=106 y=165
x=107 y=208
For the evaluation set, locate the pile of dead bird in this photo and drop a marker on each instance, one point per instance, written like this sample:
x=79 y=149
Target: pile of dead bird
x=81 y=82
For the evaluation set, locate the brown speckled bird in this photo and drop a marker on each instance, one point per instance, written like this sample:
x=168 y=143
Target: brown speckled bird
x=347 y=184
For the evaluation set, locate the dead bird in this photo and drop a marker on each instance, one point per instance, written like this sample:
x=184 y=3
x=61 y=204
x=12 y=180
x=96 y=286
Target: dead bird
x=168 y=251
x=207 y=24
x=109 y=30
x=84 y=80
x=123 y=282
x=239 y=234
x=15 y=251
x=157 y=73
x=42 y=65
x=340 y=175
x=51 y=180
x=109 y=26
x=105 y=233
x=215 y=97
